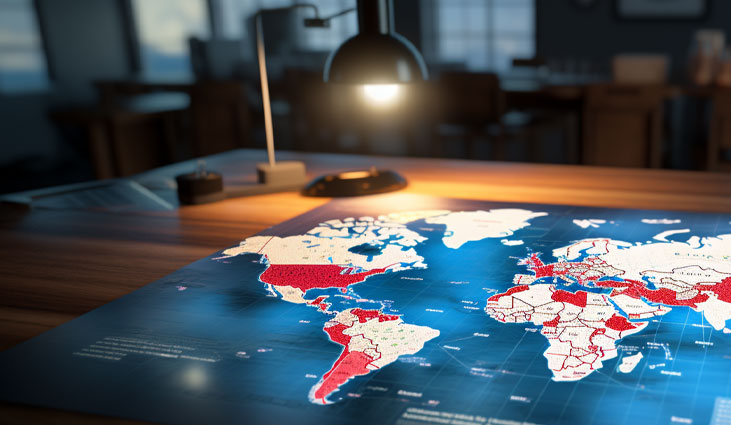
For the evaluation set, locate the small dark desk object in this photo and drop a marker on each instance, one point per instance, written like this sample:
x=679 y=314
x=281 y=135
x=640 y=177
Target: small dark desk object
x=200 y=187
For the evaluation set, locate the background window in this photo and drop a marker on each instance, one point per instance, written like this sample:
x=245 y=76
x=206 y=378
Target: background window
x=163 y=28
x=22 y=61
x=341 y=28
x=234 y=15
x=484 y=34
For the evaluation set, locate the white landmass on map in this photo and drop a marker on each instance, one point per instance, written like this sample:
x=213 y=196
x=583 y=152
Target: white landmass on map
x=389 y=339
x=660 y=221
x=707 y=252
x=590 y=222
x=331 y=242
x=638 y=309
x=514 y=242
x=470 y=226
x=663 y=236
x=629 y=363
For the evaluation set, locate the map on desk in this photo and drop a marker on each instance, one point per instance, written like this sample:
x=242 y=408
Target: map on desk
x=411 y=310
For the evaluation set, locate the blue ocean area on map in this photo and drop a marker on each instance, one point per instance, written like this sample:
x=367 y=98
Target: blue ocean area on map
x=213 y=343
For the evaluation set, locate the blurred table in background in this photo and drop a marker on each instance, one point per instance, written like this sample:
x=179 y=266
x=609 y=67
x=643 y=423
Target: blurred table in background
x=547 y=103
x=131 y=134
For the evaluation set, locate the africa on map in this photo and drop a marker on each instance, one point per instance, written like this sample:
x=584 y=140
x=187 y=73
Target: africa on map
x=408 y=310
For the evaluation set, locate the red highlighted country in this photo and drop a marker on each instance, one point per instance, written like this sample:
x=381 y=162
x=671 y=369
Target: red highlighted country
x=366 y=315
x=619 y=323
x=309 y=276
x=584 y=272
x=577 y=299
x=320 y=303
x=637 y=289
x=511 y=291
x=552 y=323
x=349 y=365
x=721 y=289
x=538 y=267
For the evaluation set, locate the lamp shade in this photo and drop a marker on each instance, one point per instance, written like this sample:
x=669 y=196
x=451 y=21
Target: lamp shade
x=375 y=58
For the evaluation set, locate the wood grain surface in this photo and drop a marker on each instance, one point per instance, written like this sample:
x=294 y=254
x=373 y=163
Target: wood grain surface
x=59 y=264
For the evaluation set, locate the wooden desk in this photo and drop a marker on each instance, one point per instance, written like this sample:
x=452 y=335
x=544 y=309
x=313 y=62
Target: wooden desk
x=59 y=264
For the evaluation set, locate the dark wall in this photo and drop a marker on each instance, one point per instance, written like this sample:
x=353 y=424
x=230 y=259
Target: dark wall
x=567 y=31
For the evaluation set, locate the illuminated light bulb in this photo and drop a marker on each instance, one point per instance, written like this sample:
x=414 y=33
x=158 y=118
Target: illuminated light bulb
x=381 y=93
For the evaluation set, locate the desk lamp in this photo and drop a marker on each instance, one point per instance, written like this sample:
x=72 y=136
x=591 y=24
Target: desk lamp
x=286 y=173
x=378 y=60
x=203 y=186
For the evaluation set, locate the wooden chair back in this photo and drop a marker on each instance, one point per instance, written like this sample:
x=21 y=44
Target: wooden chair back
x=719 y=143
x=220 y=117
x=622 y=126
x=311 y=109
x=470 y=98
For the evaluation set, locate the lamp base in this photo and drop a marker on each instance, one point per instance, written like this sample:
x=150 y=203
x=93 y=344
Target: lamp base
x=281 y=173
x=355 y=183
x=283 y=176
x=202 y=187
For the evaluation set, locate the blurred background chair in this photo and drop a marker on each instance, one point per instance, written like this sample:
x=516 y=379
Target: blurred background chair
x=623 y=126
x=471 y=107
x=719 y=142
x=310 y=114
x=220 y=117
x=474 y=110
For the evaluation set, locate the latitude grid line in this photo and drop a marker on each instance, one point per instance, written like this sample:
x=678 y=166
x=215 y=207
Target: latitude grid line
x=499 y=370
x=497 y=414
x=700 y=373
x=642 y=373
x=705 y=353
x=450 y=358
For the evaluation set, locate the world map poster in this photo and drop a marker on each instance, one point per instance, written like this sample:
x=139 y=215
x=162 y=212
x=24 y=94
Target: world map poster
x=412 y=310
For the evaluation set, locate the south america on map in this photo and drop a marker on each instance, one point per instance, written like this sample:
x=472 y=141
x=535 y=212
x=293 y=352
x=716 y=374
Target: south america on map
x=408 y=310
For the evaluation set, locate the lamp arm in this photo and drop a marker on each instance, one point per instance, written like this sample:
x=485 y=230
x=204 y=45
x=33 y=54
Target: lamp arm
x=341 y=13
x=261 y=55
